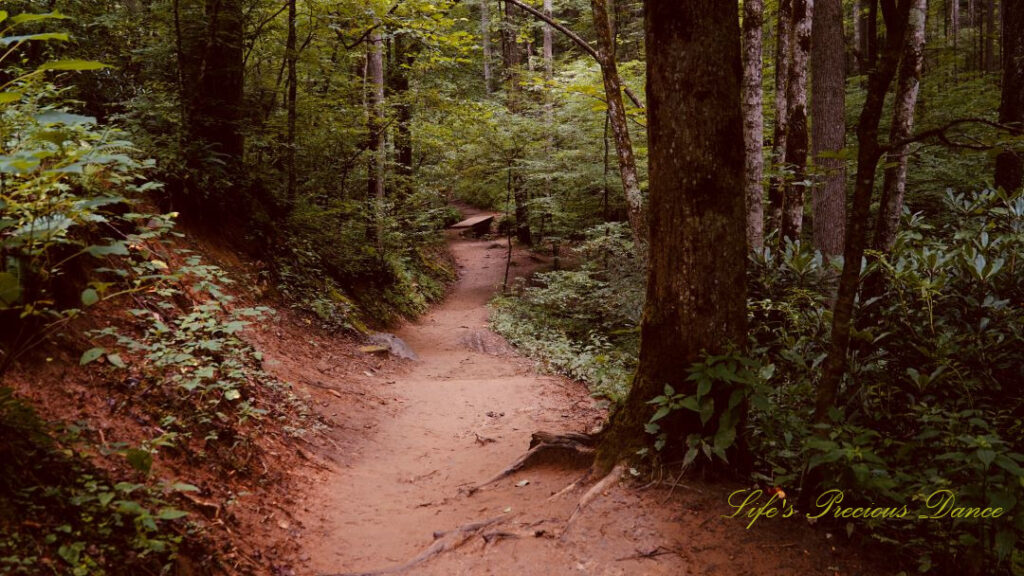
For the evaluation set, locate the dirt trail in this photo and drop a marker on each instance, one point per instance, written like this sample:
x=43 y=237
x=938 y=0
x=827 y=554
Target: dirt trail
x=465 y=410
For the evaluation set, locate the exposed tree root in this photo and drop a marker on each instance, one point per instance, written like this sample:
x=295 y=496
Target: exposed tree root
x=574 y=485
x=572 y=449
x=443 y=542
x=596 y=489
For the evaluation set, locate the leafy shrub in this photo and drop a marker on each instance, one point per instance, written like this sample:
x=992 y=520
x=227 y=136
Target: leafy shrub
x=583 y=323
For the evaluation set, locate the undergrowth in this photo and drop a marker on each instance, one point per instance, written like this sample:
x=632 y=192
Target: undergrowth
x=929 y=400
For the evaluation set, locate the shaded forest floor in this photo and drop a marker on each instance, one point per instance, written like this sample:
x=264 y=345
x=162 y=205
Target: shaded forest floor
x=383 y=478
x=399 y=466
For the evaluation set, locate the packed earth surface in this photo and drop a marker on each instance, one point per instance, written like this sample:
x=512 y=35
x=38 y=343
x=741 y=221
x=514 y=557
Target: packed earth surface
x=393 y=486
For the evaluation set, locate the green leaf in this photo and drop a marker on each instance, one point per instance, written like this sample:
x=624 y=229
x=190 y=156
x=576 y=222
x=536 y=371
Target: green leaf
x=691 y=455
x=707 y=410
x=91 y=355
x=725 y=438
x=703 y=387
x=10 y=289
x=115 y=359
x=171 y=514
x=986 y=456
x=232 y=394
x=72 y=65
x=184 y=487
x=140 y=460
x=114 y=249
x=8 y=40
x=8 y=97
x=90 y=297
x=23 y=18
x=661 y=413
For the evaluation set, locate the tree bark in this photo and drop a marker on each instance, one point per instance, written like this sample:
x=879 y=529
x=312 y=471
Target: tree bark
x=858 y=49
x=1010 y=163
x=753 y=120
x=796 y=134
x=375 y=127
x=549 y=50
x=620 y=129
x=989 y=58
x=696 y=289
x=907 y=87
x=828 y=109
x=895 y=13
x=403 y=55
x=292 y=56
x=871 y=34
x=485 y=35
x=512 y=60
x=783 y=57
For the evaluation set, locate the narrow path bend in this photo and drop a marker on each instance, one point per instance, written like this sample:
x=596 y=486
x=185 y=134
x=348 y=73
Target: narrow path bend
x=466 y=410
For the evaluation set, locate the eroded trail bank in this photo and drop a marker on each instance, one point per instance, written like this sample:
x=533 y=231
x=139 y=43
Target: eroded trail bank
x=463 y=412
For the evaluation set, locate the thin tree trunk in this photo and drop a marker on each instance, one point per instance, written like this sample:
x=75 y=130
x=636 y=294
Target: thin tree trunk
x=796 y=134
x=1010 y=164
x=868 y=156
x=783 y=41
x=485 y=35
x=549 y=53
x=375 y=126
x=696 y=289
x=620 y=129
x=872 y=34
x=753 y=120
x=403 y=54
x=828 y=107
x=907 y=88
x=858 y=49
x=954 y=29
x=990 y=37
x=292 y=56
x=512 y=59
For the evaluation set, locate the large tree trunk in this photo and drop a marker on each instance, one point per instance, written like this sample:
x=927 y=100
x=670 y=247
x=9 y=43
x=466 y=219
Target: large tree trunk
x=753 y=120
x=485 y=35
x=620 y=129
x=909 y=83
x=828 y=107
x=696 y=289
x=292 y=56
x=796 y=134
x=868 y=155
x=783 y=57
x=1010 y=164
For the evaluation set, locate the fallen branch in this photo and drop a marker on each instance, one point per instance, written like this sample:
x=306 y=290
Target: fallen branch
x=443 y=542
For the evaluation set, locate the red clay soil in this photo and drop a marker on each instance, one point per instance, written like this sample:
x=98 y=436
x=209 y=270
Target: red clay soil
x=386 y=481
x=427 y=430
